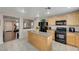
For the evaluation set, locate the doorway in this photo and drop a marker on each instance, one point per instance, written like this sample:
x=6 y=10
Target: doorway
x=10 y=28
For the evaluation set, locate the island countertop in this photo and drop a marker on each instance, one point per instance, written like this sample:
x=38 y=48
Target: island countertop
x=46 y=34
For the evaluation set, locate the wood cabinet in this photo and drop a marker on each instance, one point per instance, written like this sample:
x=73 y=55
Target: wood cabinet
x=73 y=18
x=70 y=19
x=61 y=17
x=9 y=36
x=71 y=38
x=51 y=21
x=77 y=18
x=52 y=32
x=77 y=40
x=39 y=41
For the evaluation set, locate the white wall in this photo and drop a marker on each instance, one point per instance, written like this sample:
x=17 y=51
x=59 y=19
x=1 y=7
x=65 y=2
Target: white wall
x=1 y=29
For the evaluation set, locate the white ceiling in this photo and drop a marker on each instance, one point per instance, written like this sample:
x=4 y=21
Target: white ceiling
x=36 y=11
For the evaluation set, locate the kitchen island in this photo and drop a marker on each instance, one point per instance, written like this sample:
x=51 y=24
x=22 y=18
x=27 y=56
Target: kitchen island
x=41 y=40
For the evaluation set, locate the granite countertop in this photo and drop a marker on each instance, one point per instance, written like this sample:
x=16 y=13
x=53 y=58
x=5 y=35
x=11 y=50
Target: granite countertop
x=52 y=30
x=46 y=34
x=67 y=31
x=77 y=32
x=74 y=32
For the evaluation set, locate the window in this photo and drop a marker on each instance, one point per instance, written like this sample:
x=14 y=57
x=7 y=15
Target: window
x=28 y=24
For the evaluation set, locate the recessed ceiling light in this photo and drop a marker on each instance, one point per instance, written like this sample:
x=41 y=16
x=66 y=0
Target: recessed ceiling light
x=23 y=11
x=48 y=12
x=37 y=15
x=48 y=8
x=17 y=24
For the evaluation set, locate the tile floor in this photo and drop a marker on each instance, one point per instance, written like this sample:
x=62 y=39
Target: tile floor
x=62 y=47
x=23 y=45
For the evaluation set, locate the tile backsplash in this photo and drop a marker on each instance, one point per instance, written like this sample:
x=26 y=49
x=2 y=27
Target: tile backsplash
x=76 y=28
x=54 y=27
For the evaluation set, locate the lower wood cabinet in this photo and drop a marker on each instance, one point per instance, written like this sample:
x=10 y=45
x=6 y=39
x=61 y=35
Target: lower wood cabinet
x=52 y=32
x=9 y=35
x=71 y=39
x=41 y=42
x=77 y=40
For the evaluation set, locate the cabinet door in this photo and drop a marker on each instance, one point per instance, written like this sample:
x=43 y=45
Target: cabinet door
x=9 y=36
x=71 y=39
x=52 y=32
x=73 y=18
x=62 y=17
x=70 y=19
x=51 y=21
x=77 y=40
x=77 y=18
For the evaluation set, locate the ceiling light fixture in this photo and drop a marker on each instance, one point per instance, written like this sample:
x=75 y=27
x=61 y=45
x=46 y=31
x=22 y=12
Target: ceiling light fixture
x=37 y=15
x=68 y=7
x=48 y=12
x=23 y=11
x=48 y=8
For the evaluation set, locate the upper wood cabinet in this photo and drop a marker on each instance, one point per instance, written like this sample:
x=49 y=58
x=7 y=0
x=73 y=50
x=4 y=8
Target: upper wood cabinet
x=62 y=17
x=73 y=18
x=77 y=19
x=51 y=21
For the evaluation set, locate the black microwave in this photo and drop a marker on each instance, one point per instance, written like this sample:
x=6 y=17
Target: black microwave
x=61 y=22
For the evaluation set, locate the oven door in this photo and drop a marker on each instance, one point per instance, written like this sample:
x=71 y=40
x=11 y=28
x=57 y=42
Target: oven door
x=60 y=37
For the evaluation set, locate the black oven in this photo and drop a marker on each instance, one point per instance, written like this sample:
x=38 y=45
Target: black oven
x=60 y=35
